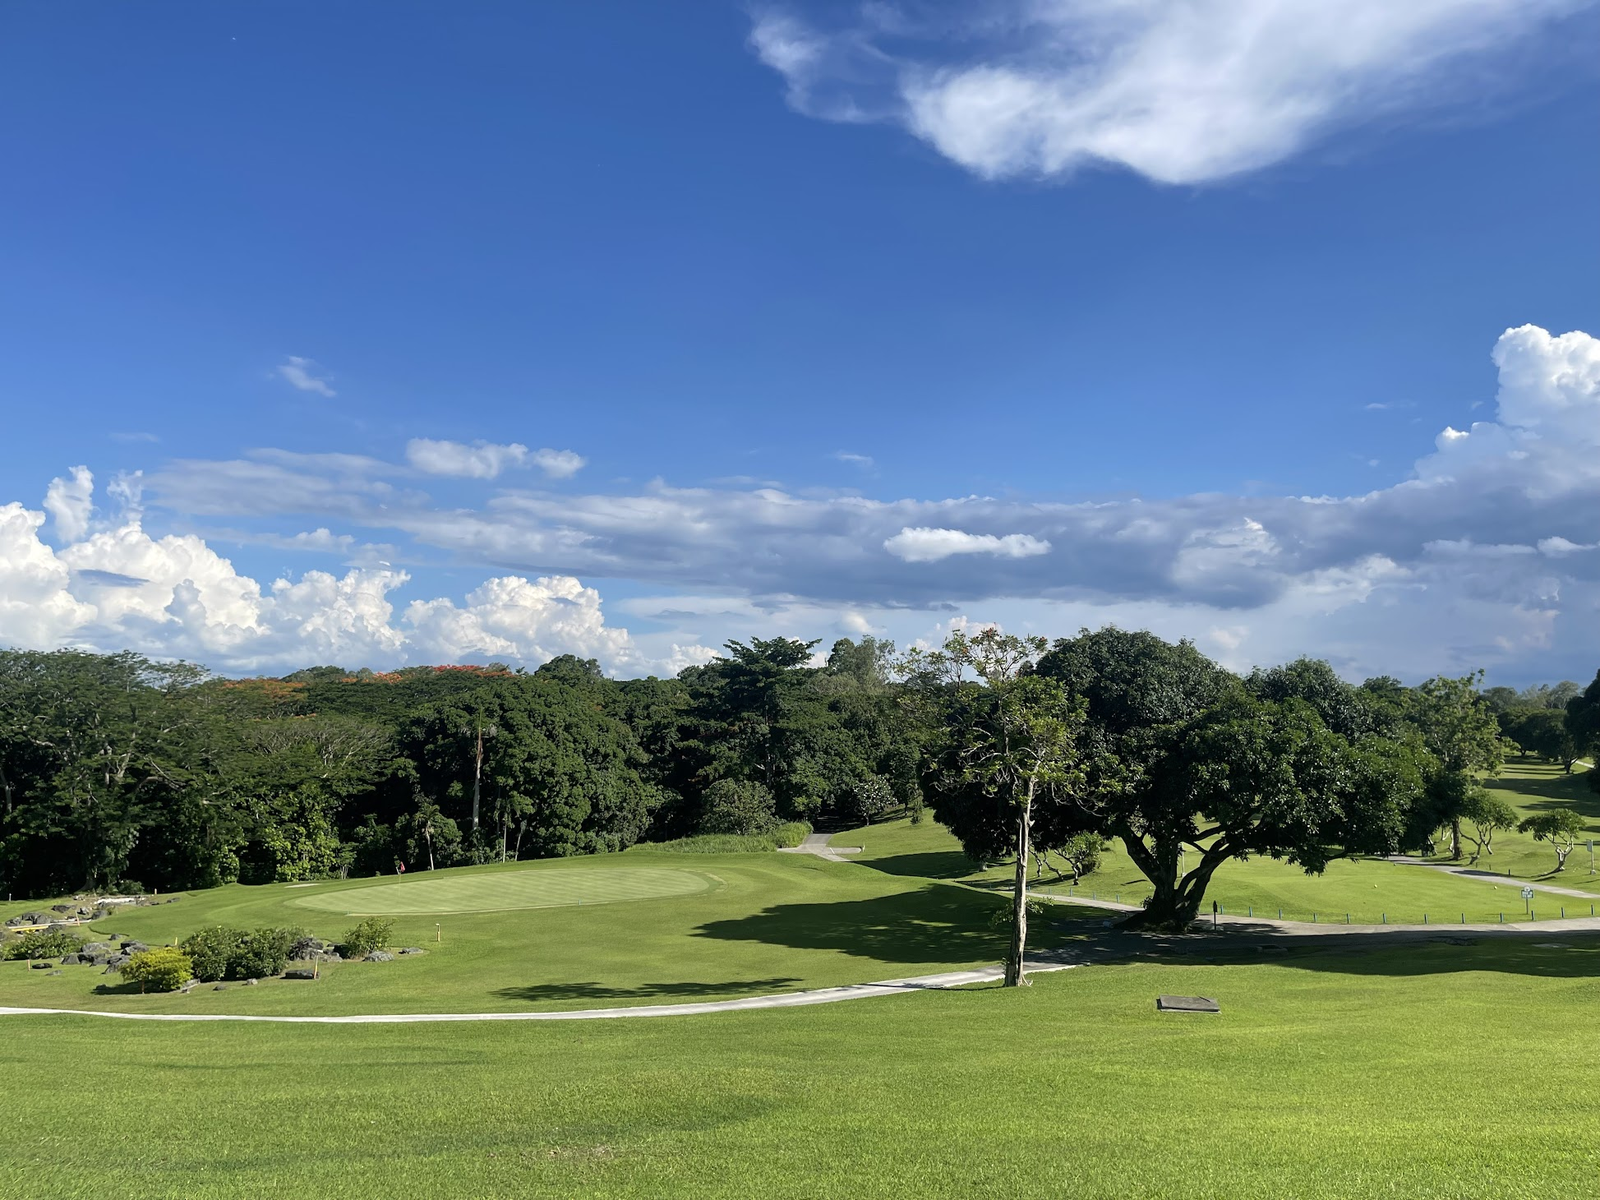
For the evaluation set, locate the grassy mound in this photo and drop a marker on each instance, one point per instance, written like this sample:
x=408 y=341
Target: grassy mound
x=449 y=892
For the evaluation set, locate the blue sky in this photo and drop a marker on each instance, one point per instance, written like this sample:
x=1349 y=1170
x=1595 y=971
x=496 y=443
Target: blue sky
x=815 y=319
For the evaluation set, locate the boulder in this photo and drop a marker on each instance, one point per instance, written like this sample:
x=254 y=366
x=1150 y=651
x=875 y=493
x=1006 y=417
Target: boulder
x=94 y=948
x=413 y=950
x=38 y=965
x=117 y=961
x=13 y=922
x=307 y=948
x=71 y=960
x=298 y=974
x=61 y=908
x=134 y=947
x=380 y=956
x=250 y=983
x=221 y=987
x=59 y=927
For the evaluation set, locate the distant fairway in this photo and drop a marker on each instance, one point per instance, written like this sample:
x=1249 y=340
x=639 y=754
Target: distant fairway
x=501 y=891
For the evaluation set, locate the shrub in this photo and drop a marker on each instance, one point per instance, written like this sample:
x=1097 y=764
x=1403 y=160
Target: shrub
x=223 y=953
x=738 y=807
x=212 y=951
x=44 y=943
x=792 y=833
x=262 y=953
x=714 y=843
x=372 y=934
x=163 y=969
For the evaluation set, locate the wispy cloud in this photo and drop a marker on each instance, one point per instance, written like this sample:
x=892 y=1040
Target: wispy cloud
x=486 y=460
x=864 y=461
x=1180 y=91
x=133 y=436
x=299 y=374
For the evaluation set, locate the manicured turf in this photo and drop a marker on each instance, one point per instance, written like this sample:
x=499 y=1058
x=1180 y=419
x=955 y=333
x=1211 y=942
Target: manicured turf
x=1444 y=1071
x=432 y=892
x=774 y=922
x=1369 y=891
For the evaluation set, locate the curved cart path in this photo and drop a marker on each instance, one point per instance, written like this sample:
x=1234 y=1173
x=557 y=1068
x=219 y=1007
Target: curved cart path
x=854 y=991
x=1496 y=877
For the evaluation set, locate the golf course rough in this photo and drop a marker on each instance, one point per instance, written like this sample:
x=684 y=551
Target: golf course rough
x=505 y=891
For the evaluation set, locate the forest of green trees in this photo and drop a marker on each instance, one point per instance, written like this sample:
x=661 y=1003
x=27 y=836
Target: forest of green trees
x=120 y=772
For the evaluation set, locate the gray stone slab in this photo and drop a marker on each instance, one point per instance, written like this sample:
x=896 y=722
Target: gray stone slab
x=1186 y=1004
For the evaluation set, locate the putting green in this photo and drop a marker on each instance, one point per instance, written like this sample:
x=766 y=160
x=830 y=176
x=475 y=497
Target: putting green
x=503 y=890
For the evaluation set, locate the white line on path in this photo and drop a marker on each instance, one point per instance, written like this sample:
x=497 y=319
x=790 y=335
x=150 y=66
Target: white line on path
x=854 y=991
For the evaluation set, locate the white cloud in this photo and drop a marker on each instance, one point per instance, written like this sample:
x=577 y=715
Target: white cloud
x=298 y=372
x=70 y=503
x=932 y=545
x=1484 y=554
x=559 y=464
x=864 y=461
x=486 y=460
x=1181 y=91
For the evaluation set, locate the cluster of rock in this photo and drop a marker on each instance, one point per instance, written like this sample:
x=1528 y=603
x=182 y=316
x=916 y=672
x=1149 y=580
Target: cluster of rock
x=104 y=954
x=82 y=908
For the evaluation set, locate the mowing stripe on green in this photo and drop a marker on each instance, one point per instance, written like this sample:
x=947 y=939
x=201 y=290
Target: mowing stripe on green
x=509 y=890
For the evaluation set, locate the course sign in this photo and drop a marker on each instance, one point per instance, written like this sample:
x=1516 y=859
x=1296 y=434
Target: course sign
x=1527 y=893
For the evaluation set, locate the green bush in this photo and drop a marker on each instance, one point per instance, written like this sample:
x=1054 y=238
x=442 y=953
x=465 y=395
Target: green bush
x=372 y=934
x=163 y=969
x=44 y=943
x=223 y=953
x=212 y=951
x=714 y=843
x=262 y=953
x=792 y=833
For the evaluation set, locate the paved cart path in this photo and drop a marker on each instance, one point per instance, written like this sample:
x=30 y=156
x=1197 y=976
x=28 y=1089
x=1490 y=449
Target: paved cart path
x=854 y=991
x=1495 y=877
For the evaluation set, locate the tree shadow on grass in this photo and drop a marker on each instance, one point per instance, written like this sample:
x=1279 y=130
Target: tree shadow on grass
x=939 y=923
x=935 y=864
x=1542 y=792
x=1551 y=953
x=541 y=992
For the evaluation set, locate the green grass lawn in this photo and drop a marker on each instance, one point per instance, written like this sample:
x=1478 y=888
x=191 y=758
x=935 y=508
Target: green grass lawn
x=755 y=923
x=1368 y=890
x=1431 y=1072
x=1532 y=787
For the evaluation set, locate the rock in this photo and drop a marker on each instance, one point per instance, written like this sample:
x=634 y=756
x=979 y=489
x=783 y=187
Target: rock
x=221 y=987
x=13 y=922
x=306 y=949
x=299 y=975
x=34 y=918
x=61 y=908
x=55 y=972
x=413 y=950
x=380 y=956
x=38 y=966
x=250 y=983
x=71 y=960
x=134 y=947
x=94 y=948
x=59 y=927
x=117 y=961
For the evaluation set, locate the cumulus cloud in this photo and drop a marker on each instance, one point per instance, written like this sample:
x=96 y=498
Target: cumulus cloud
x=932 y=545
x=1484 y=552
x=70 y=503
x=486 y=460
x=175 y=596
x=299 y=373
x=1181 y=91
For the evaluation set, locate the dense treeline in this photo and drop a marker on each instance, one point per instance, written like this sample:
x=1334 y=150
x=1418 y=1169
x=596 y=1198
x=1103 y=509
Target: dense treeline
x=118 y=771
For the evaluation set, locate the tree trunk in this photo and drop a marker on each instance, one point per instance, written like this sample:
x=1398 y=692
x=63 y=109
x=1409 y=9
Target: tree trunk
x=1015 y=975
x=1176 y=905
x=477 y=780
x=1455 y=837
